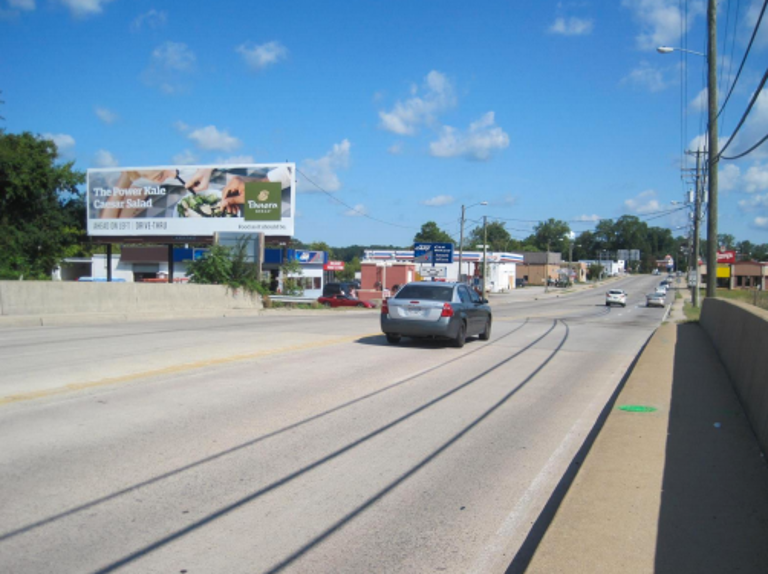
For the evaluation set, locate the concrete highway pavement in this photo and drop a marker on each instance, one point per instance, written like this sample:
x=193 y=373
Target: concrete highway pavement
x=299 y=443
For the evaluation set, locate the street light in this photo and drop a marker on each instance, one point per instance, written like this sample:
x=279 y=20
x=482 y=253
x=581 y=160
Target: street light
x=669 y=50
x=461 y=232
x=711 y=58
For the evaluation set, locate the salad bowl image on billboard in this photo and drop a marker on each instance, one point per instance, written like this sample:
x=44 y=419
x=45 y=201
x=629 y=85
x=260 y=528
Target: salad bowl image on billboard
x=192 y=200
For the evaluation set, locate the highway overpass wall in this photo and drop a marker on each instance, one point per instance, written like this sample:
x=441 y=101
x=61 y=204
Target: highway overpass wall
x=740 y=335
x=58 y=299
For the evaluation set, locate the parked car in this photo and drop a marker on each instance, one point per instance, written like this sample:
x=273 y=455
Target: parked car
x=616 y=297
x=655 y=300
x=436 y=310
x=344 y=301
x=331 y=289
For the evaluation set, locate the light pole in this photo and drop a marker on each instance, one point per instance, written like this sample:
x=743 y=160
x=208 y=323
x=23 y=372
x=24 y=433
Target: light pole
x=461 y=233
x=711 y=57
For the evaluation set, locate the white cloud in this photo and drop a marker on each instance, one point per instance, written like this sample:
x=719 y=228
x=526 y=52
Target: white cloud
x=103 y=158
x=438 y=201
x=760 y=223
x=749 y=22
x=589 y=218
x=85 y=7
x=262 y=56
x=65 y=143
x=210 y=138
x=756 y=178
x=700 y=102
x=106 y=116
x=152 y=19
x=174 y=56
x=728 y=176
x=186 y=157
x=572 y=26
x=754 y=202
x=236 y=159
x=22 y=4
x=358 y=211
x=646 y=76
x=480 y=140
x=643 y=203
x=322 y=172
x=661 y=21
x=407 y=116
x=170 y=63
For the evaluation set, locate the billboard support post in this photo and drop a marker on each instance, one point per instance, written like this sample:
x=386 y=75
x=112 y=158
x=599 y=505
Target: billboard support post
x=170 y=263
x=109 y=262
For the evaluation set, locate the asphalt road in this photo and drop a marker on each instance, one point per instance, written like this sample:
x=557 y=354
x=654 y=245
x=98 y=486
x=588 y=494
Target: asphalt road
x=299 y=442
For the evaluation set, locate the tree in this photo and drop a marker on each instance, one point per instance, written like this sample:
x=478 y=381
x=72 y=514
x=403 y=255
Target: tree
x=350 y=268
x=431 y=233
x=726 y=241
x=551 y=235
x=499 y=238
x=42 y=212
x=229 y=266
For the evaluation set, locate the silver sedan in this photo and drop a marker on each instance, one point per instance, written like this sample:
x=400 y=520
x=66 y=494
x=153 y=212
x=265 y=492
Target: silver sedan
x=436 y=310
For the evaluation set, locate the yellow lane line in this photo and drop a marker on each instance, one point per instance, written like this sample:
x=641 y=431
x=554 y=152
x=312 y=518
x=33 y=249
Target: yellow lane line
x=175 y=369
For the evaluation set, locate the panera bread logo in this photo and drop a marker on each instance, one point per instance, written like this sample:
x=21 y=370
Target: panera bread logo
x=263 y=201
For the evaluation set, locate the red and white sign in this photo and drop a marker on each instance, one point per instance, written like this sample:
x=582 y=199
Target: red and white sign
x=726 y=257
x=334 y=266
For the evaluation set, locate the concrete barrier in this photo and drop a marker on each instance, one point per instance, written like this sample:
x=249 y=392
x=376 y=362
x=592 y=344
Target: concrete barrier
x=58 y=298
x=740 y=335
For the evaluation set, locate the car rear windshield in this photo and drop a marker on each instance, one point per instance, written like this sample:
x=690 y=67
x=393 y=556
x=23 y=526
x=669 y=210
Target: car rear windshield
x=426 y=292
x=616 y=292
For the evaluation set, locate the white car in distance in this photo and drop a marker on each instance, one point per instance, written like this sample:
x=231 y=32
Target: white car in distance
x=616 y=297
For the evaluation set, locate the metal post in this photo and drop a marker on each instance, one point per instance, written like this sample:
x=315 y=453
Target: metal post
x=109 y=262
x=485 y=251
x=696 y=222
x=170 y=263
x=713 y=149
x=461 y=242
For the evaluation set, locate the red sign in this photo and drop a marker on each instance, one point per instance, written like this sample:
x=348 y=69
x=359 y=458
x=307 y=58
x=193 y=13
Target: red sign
x=727 y=257
x=334 y=266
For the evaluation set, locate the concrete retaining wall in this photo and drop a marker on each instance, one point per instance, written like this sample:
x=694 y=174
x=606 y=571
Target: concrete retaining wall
x=53 y=298
x=740 y=335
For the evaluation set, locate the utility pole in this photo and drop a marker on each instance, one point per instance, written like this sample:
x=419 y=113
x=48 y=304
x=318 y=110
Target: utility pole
x=461 y=241
x=696 y=221
x=713 y=148
x=546 y=271
x=485 y=251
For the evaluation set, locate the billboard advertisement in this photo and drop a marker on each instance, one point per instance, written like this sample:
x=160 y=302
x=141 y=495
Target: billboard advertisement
x=192 y=200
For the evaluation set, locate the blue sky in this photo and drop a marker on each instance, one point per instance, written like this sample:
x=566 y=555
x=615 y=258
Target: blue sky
x=401 y=111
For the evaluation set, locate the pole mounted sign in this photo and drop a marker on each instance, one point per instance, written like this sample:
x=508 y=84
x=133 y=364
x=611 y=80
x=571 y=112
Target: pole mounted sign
x=433 y=253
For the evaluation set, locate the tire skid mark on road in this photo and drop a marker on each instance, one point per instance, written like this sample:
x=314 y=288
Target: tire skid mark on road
x=234 y=449
x=136 y=555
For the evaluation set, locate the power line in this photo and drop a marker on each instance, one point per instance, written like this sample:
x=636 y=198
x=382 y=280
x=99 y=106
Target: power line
x=359 y=212
x=744 y=117
x=744 y=59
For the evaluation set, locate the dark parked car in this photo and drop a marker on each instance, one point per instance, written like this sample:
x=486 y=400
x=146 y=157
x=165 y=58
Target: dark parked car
x=331 y=289
x=344 y=301
x=436 y=310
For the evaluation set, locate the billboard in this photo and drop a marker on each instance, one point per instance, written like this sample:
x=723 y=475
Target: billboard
x=192 y=200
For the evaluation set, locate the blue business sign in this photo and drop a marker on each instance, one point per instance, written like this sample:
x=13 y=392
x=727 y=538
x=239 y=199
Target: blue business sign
x=433 y=252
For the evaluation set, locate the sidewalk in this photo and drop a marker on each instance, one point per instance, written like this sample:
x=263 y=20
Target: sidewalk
x=681 y=489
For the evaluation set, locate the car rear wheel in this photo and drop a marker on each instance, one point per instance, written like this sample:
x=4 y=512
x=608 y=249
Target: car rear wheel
x=461 y=336
x=486 y=334
x=393 y=339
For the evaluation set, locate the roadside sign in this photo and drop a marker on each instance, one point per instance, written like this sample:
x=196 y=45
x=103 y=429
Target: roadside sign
x=433 y=252
x=334 y=266
x=427 y=271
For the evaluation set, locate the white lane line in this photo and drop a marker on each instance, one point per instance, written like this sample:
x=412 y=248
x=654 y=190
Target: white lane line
x=512 y=532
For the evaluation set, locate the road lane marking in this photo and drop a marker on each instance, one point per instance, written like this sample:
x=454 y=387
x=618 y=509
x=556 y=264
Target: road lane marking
x=175 y=369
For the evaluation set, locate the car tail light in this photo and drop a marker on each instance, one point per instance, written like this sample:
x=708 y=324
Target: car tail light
x=384 y=307
x=447 y=310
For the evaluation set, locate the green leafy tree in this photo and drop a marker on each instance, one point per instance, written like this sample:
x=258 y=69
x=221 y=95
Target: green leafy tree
x=431 y=233
x=551 y=235
x=291 y=271
x=350 y=268
x=42 y=212
x=229 y=266
x=499 y=238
